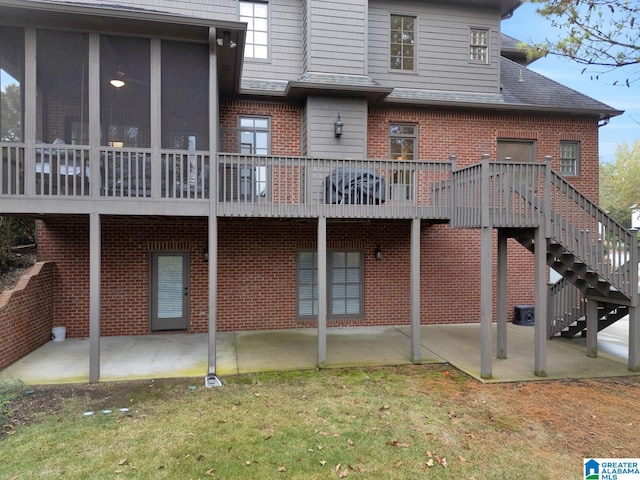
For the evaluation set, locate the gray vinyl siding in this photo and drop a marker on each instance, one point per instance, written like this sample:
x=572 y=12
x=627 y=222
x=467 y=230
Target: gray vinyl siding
x=321 y=113
x=336 y=40
x=319 y=116
x=442 y=47
x=286 y=37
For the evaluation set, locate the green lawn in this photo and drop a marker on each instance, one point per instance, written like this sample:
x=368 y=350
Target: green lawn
x=406 y=423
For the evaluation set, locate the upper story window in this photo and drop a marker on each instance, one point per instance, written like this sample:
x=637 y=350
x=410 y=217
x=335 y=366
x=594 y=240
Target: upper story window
x=402 y=43
x=256 y=14
x=569 y=158
x=479 y=45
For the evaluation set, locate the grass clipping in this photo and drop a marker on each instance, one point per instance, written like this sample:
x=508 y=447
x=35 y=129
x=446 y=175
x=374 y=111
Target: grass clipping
x=404 y=422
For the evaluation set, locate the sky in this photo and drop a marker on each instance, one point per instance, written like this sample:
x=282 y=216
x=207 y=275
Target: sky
x=530 y=27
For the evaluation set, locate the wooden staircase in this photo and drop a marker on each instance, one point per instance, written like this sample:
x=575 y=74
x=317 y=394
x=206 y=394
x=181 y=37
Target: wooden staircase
x=596 y=257
x=568 y=296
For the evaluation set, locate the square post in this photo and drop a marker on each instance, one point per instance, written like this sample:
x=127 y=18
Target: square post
x=94 y=296
x=415 y=291
x=634 y=312
x=502 y=296
x=322 y=292
x=486 y=274
x=592 y=328
x=540 y=328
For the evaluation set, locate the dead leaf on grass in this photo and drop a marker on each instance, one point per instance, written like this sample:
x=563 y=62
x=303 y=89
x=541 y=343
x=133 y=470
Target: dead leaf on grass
x=282 y=469
x=210 y=472
x=124 y=461
x=344 y=473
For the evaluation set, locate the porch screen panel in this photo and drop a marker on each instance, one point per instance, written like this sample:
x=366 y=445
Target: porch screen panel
x=11 y=84
x=170 y=286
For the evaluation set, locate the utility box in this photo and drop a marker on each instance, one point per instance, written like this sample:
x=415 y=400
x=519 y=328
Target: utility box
x=524 y=315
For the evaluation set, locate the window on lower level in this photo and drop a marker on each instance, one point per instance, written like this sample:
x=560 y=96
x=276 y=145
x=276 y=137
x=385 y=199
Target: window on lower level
x=402 y=43
x=569 y=152
x=345 y=280
x=479 y=45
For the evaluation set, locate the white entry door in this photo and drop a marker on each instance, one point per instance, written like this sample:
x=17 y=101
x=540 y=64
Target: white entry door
x=169 y=291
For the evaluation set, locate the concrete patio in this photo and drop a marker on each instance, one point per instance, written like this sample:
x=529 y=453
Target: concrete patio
x=185 y=355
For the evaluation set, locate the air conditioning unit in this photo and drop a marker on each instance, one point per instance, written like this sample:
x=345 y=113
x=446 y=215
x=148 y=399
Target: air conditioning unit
x=524 y=315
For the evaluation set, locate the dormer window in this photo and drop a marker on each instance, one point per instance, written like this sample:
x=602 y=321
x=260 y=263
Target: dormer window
x=479 y=45
x=402 y=43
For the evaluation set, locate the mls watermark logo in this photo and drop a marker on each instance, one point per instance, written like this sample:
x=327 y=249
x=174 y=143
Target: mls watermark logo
x=611 y=468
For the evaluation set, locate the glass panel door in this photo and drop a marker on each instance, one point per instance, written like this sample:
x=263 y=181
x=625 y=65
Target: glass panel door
x=169 y=291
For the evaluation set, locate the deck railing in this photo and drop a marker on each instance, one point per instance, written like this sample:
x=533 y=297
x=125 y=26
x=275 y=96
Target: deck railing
x=254 y=185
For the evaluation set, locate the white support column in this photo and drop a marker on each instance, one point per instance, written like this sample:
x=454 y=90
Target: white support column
x=502 y=296
x=322 y=292
x=592 y=328
x=415 y=291
x=94 y=296
x=540 y=332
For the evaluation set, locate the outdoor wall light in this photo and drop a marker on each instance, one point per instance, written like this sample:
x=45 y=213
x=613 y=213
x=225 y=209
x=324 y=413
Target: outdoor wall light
x=377 y=253
x=226 y=39
x=337 y=127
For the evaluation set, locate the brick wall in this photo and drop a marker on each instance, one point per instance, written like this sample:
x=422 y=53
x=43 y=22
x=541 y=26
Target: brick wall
x=257 y=271
x=468 y=135
x=27 y=313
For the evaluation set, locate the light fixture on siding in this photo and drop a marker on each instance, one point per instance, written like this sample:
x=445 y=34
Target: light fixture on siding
x=226 y=40
x=337 y=126
x=377 y=253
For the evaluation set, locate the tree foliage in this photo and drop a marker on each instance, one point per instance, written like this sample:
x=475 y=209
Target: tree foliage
x=620 y=183
x=14 y=231
x=603 y=35
x=10 y=114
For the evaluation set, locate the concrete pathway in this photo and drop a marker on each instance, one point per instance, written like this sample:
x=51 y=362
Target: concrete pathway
x=184 y=355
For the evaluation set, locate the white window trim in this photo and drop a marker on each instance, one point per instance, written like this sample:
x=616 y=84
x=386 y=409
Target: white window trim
x=576 y=159
x=487 y=61
x=254 y=59
x=415 y=43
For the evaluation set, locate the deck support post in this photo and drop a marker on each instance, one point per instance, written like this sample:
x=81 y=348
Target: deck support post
x=415 y=291
x=592 y=328
x=634 y=312
x=501 y=349
x=540 y=328
x=212 y=249
x=486 y=301
x=94 y=297
x=322 y=292
x=486 y=274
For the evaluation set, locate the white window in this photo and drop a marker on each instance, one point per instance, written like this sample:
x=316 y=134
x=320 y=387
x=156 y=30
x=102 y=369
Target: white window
x=402 y=45
x=256 y=14
x=479 y=45
x=345 y=284
x=569 y=158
